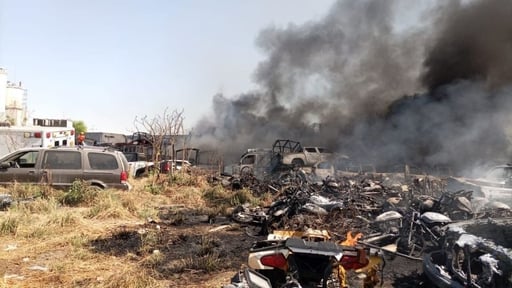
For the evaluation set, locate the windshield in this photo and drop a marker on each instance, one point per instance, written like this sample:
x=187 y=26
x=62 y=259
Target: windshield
x=131 y=157
x=499 y=174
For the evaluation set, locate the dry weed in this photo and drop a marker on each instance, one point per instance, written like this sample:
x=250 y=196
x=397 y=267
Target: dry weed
x=129 y=278
x=59 y=237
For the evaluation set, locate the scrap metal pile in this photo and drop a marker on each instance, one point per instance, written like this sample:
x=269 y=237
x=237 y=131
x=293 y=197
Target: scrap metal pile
x=397 y=214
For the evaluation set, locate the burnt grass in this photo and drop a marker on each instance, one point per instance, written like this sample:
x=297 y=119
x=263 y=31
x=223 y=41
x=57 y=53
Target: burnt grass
x=187 y=249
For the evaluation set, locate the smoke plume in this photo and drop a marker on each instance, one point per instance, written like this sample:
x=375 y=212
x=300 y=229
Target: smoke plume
x=360 y=82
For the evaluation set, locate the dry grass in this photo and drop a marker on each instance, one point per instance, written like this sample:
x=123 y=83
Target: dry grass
x=47 y=242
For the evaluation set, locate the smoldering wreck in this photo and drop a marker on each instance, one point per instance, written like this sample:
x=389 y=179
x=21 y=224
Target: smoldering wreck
x=434 y=98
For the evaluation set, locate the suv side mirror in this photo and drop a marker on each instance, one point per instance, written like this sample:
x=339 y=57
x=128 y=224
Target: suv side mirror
x=5 y=165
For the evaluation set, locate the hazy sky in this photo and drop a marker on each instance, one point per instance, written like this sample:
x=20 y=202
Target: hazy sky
x=107 y=61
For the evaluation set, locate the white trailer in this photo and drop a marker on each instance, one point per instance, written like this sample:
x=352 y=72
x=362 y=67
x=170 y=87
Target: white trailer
x=14 y=138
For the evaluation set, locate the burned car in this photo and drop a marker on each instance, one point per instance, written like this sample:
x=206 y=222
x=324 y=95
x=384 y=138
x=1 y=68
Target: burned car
x=475 y=253
x=494 y=187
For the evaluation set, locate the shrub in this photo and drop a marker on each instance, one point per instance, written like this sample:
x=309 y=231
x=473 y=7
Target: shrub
x=183 y=179
x=154 y=189
x=80 y=192
x=242 y=196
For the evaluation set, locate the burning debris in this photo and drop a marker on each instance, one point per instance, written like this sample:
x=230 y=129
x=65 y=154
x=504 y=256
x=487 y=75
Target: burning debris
x=403 y=216
x=306 y=259
x=368 y=87
x=359 y=84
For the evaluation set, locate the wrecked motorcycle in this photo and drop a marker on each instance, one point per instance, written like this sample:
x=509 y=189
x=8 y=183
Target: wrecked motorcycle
x=327 y=186
x=282 y=208
x=295 y=200
x=295 y=176
x=421 y=231
x=413 y=232
x=456 y=205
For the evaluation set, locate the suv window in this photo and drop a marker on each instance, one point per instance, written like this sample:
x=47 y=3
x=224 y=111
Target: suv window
x=323 y=150
x=249 y=159
x=131 y=157
x=101 y=161
x=62 y=160
x=28 y=160
x=25 y=159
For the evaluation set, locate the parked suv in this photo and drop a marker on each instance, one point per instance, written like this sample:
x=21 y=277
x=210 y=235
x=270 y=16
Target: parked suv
x=61 y=166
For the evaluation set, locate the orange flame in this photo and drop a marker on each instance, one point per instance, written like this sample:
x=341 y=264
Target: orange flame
x=351 y=240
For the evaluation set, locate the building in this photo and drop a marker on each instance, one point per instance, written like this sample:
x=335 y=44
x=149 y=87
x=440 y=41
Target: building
x=104 y=138
x=13 y=101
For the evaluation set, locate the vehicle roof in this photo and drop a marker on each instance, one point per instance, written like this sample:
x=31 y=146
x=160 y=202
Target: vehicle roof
x=67 y=148
x=506 y=165
x=34 y=128
x=502 y=166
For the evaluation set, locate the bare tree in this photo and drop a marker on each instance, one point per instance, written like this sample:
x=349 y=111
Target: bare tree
x=162 y=131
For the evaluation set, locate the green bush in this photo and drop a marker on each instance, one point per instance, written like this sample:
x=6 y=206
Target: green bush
x=80 y=192
x=155 y=189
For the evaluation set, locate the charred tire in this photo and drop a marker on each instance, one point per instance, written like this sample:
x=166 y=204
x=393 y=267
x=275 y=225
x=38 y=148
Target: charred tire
x=246 y=172
x=297 y=162
x=239 y=216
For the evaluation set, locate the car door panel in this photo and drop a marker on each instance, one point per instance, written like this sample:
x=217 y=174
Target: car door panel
x=24 y=168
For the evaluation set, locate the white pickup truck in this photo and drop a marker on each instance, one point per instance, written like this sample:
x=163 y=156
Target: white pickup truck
x=138 y=164
x=307 y=156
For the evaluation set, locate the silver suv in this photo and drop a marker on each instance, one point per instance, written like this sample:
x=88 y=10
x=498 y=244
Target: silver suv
x=61 y=166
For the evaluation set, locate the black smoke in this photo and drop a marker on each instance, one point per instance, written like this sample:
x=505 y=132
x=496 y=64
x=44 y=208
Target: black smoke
x=431 y=94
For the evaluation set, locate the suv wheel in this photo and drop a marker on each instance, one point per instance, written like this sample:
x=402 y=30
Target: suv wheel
x=297 y=162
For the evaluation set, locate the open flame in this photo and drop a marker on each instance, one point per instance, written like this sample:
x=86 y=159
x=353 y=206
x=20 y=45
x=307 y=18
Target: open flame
x=351 y=240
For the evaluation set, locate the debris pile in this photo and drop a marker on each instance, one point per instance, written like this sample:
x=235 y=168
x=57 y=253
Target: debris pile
x=404 y=215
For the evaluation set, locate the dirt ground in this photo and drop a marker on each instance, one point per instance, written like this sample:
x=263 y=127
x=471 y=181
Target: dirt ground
x=179 y=247
x=199 y=240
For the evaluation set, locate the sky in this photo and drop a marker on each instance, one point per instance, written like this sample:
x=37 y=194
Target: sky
x=366 y=78
x=106 y=62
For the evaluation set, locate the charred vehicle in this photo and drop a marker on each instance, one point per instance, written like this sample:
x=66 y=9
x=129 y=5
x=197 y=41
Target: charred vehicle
x=284 y=156
x=494 y=186
x=295 y=154
x=257 y=162
x=475 y=253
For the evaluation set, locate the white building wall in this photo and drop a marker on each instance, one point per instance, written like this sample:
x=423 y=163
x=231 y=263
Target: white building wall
x=14 y=103
x=3 y=92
